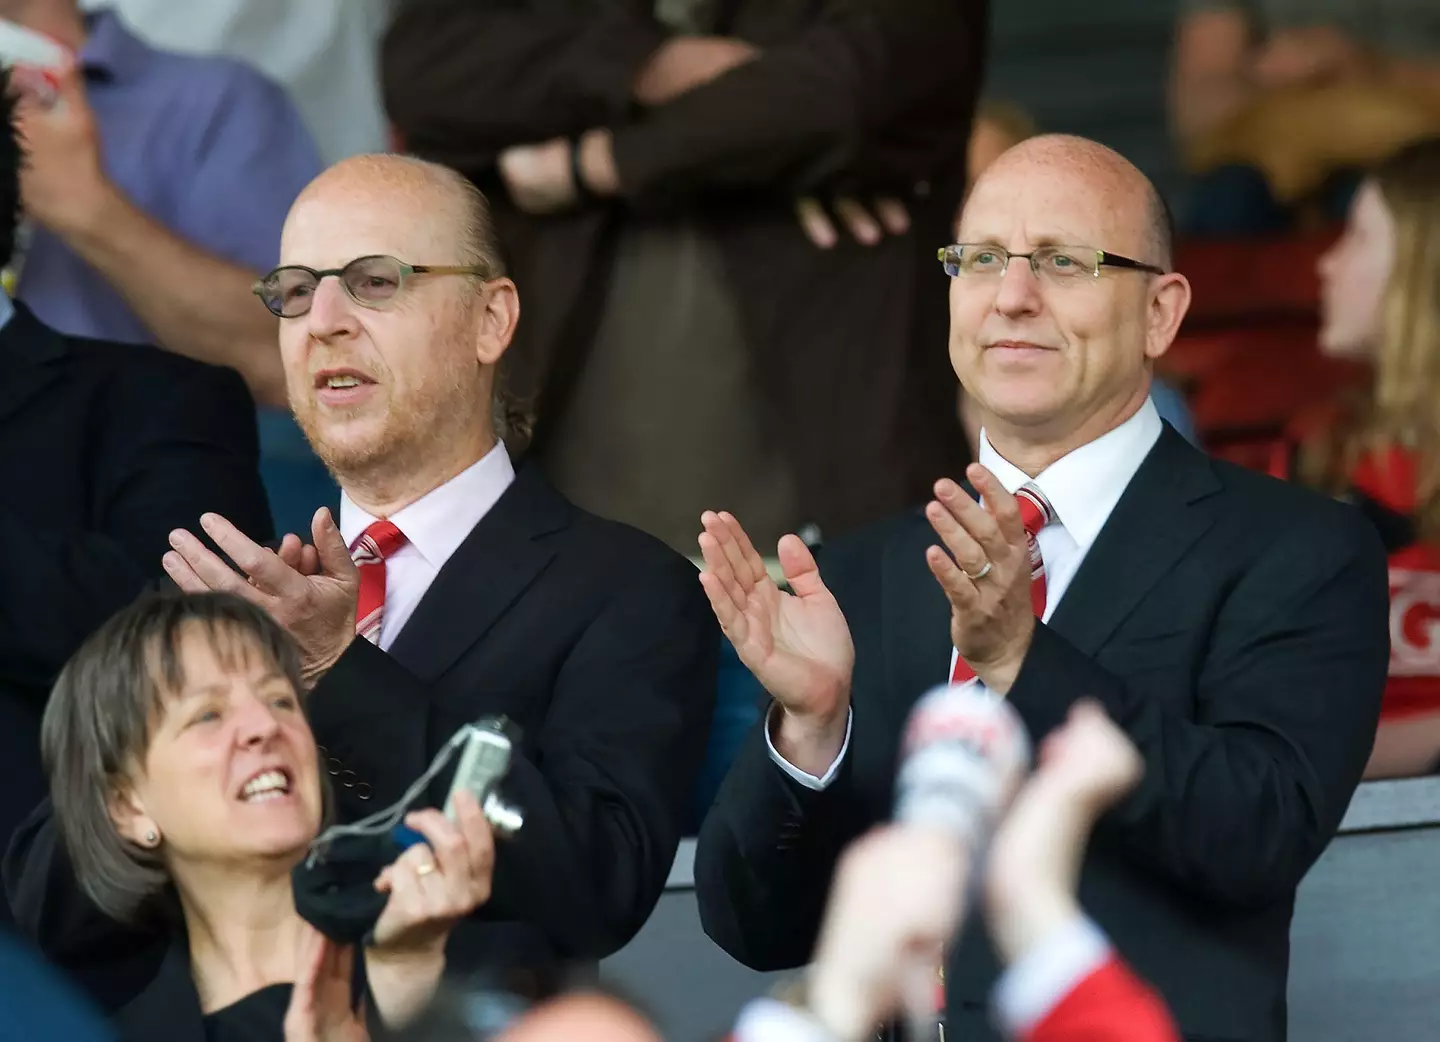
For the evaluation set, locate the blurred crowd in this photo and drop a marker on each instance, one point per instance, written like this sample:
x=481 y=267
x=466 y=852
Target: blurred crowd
x=419 y=342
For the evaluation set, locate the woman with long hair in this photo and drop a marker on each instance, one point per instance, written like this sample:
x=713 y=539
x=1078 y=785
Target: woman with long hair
x=1380 y=301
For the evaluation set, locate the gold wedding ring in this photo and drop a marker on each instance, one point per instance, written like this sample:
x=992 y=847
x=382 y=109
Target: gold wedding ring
x=425 y=868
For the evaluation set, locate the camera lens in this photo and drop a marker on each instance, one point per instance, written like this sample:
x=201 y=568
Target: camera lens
x=504 y=819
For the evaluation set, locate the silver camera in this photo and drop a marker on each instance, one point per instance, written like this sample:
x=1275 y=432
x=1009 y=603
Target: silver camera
x=483 y=764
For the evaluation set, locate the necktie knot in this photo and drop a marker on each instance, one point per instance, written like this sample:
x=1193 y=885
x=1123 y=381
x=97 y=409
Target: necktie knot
x=1035 y=510
x=377 y=543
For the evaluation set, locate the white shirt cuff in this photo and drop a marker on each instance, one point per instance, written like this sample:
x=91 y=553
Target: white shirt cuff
x=770 y=1020
x=1034 y=985
x=808 y=780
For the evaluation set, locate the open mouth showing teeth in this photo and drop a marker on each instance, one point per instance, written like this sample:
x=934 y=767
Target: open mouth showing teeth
x=269 y=785
x=340 y=379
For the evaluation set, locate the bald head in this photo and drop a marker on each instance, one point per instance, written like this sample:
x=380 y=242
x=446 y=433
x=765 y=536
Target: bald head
x=591 y=1017
x=1109 y=181
x=409 y=187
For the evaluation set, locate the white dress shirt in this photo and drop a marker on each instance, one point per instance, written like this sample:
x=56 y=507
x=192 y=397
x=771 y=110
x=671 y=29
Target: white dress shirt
x=434 y=527
x=1083 y=487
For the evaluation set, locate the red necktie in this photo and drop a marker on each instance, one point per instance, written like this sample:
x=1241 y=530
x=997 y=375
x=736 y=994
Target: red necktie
x=375 y=544
x=1036 y=512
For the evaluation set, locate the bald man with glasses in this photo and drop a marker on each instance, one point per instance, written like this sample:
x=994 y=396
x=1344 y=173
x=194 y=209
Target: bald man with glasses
x=1234 y=626
x=456 y=583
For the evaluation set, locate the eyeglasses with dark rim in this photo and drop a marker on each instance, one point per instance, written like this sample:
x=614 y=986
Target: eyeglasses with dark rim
x=1058 y=263
x=371 y=282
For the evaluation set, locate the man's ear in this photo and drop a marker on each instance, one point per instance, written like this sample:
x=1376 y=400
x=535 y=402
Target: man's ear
x=499 y=317
x=1169 y=301
x=127 y=812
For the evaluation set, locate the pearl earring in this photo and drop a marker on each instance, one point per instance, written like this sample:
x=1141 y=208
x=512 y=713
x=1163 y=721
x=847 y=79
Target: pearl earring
x=152 y=837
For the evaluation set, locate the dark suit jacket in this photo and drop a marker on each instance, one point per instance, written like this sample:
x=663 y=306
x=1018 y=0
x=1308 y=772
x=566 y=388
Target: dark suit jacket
x=596 y=639
x=1235 y=626
x=104 y=449
x=862 y=96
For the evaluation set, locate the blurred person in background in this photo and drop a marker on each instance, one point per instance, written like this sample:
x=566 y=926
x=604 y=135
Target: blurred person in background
x=1291 y=96
x=899 y=891
x=154 y=190
x=720 y=211
x=1380 y=296
x=186 y=787
x=105 y=448
x=323 y=52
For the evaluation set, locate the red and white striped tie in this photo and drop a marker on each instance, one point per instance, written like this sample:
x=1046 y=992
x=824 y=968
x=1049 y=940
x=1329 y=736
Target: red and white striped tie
x=375 y=544
x=1036 y=512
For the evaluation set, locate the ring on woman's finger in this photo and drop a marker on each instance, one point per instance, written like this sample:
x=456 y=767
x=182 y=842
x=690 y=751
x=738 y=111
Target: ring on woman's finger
x=424 y=868
x=982 y=572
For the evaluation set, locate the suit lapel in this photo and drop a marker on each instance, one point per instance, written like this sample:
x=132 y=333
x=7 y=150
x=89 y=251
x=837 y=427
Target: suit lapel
x=33 y=355
x=1159 y=517
x=916 y=616
x=498 y=560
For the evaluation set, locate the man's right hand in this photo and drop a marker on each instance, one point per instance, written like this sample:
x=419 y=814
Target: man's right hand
x=797 y=645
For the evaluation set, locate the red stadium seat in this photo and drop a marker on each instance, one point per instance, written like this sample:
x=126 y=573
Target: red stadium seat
x=1247 y=355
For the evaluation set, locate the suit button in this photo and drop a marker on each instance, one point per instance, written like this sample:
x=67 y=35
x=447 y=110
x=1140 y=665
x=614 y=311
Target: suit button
x=335 y=767
x=322 y=751
x=362 y=791
x=347 y=779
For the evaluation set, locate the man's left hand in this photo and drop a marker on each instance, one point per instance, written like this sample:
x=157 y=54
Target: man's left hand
x=62 y=181
x=991 y=617
x=317 y=609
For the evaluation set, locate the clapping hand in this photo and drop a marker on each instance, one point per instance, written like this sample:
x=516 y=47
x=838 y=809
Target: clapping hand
x=310 y=590
x=985 y=576
x=320 y=1005
x=796 y=644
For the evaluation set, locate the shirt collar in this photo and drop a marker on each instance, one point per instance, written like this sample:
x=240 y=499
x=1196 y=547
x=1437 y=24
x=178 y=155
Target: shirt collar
x=110 y=51
x=1084 y=485
x=438 y=522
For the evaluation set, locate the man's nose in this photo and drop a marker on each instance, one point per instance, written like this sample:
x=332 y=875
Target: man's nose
x=1019 y=291
x=332 y=312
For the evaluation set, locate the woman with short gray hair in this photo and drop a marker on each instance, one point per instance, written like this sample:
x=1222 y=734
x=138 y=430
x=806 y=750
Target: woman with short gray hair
x=186 y=787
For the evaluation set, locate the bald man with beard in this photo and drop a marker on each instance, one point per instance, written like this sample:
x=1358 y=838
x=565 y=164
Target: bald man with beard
x=1233 y=625
x=483 y=593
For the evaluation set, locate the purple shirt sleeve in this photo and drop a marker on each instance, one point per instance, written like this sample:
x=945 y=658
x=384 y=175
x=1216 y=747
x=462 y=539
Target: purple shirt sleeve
x=251 y=162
